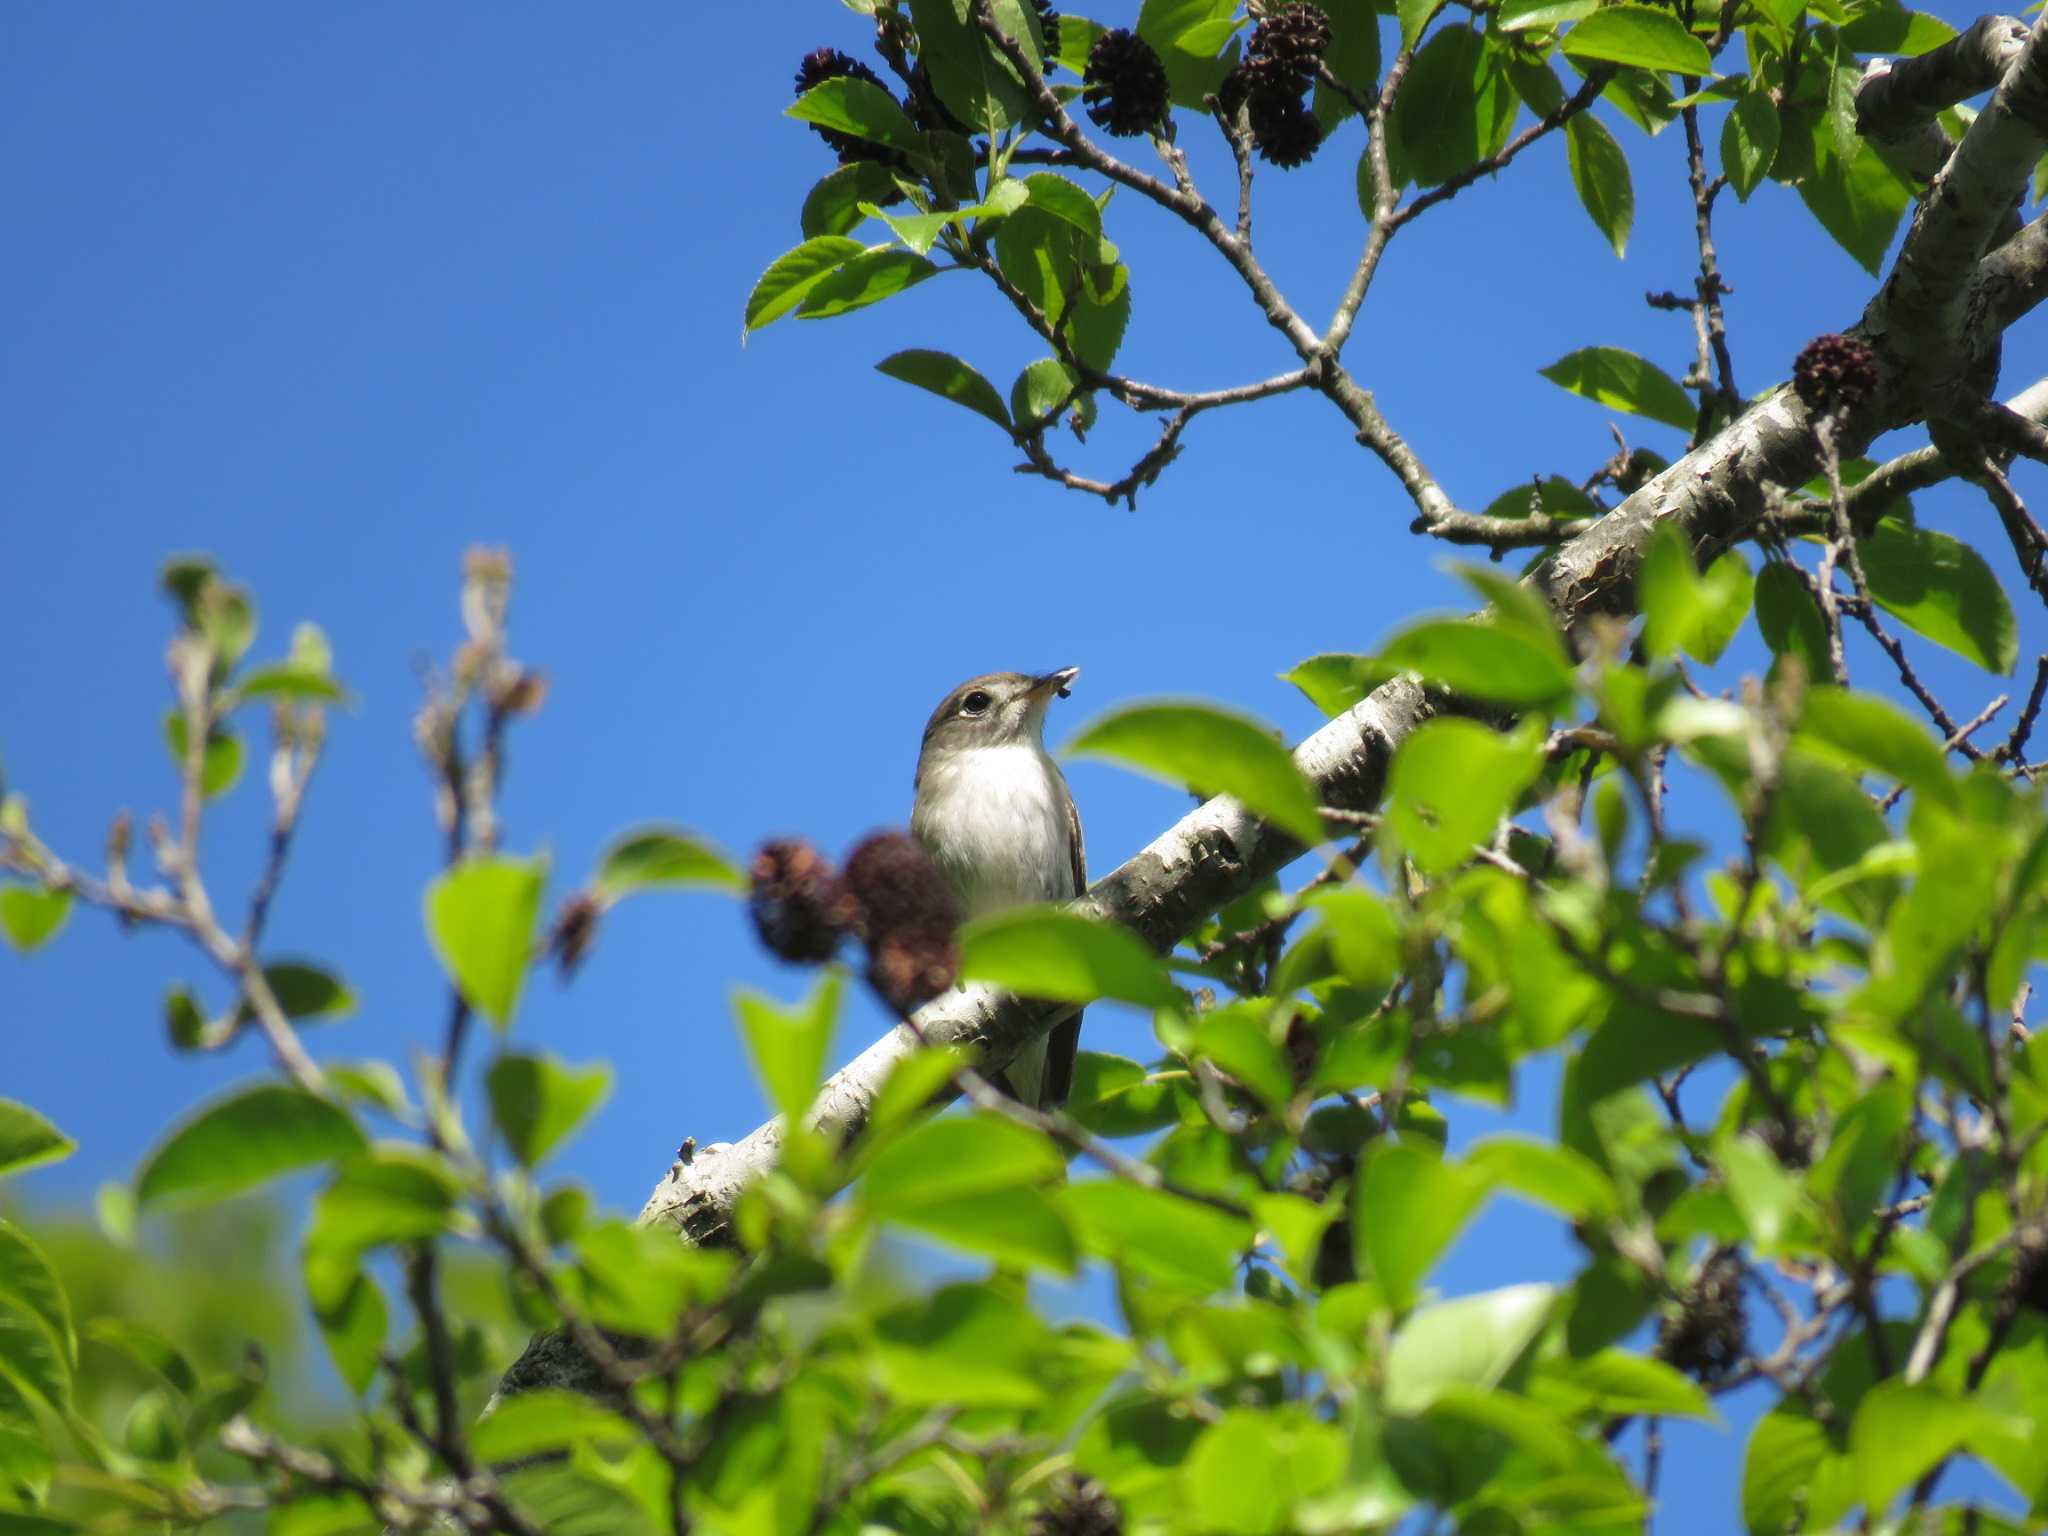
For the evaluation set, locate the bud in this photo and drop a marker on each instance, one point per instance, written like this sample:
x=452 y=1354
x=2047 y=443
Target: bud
x=523 y=693
x=799 y=906
x=574 y=932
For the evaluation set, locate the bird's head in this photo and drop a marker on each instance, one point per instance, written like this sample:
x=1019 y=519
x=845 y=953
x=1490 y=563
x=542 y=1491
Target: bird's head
x=1000 y=709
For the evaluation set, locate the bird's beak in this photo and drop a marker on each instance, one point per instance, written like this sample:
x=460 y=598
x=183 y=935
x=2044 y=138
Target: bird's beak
x=1054 y=682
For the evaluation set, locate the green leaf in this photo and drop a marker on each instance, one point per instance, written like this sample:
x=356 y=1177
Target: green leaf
x=866 y=279
x=1454 y=110
x=1749 y=142
x=1212 y=752
x=32 y=1360
x=1901 y=1431
x=1187 y=35
x=1641 y=36
x=832 y=207
x=1552 y=495
x=29 y=1284
x=1410 y=1207
x=1331 y=682
x=221 y=764
x=1114 y=1096
x=1685 y=610
x=968 y=1344
x=950 y=379
x=657 y=855
x=792 y=275
x=912 y=1085
x=353 y=1316
x=1624 y=382
x=31 y=917
x=375 y=1083
x=1251 y=1468
x=1613 y=1381
x=537 y=1102
x=1066 y=201
x=1353 y=56
x=306 y=991
x=1891 y=28
x=243 y=1141
x=1236 y=1038
x=1175 y=1241
x=955 y=1157
x=859 y=107
x=481 y=917
x=1364 y=940
x=289 y=680
x=1471 y=1342
x=1858 y=200
x=1942 y=588
x=1527 y=15
x=1041 y=389
x=1600 y=173
x=1023 y=1227
x=1767 y=1198
x=1074 y=280
x=789 y=1045
x=1790 y=619
x=1868 y=732
x=1569 y=1182
x=1451 y=783
x=975 y=82
x=392 y=1192
x=527 y=1424
x=1482 y=660
x=921 y=231
x=1414 y=17
x=1064 y=957
x=154 y=1354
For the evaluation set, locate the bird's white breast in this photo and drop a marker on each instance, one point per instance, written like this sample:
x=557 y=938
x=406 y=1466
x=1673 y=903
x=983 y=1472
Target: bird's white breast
x=996 y=824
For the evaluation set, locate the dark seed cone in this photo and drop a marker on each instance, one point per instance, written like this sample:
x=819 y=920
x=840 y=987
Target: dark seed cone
x=824 y=64
x=1255 y=79
x=1048 y=30
x=1709 y=1334
x=1284 y=131
x=800 y=908
x=897 y=890
x=575 y=931
x=1295 y=35
x=1124 y=86
x=908 y=969
x=1077 y=1506
x=905 y=911
x=1835 y=373
x=2030 y=1273
x=925 y=108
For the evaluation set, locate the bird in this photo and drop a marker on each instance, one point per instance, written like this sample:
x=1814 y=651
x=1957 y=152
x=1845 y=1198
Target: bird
x=994 y=813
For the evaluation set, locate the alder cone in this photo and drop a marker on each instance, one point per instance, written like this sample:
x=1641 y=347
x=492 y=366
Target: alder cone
x=1124 y=86
x=800 y=907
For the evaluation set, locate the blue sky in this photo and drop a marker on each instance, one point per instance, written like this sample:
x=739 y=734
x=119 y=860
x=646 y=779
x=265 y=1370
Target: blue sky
x=333 y=293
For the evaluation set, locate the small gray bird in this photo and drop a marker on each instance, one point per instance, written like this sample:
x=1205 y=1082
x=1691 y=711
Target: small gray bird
x=994 y=813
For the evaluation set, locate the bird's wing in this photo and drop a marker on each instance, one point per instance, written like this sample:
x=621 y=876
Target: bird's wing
x=1065 y=1040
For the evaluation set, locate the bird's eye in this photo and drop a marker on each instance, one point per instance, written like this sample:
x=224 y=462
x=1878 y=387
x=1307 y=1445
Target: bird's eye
x=976 y=703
